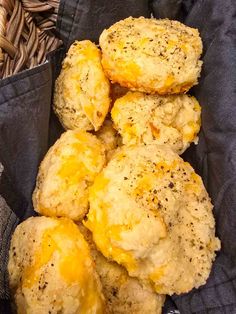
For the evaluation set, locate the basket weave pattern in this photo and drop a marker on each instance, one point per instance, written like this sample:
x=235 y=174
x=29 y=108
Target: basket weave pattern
x=26 y=33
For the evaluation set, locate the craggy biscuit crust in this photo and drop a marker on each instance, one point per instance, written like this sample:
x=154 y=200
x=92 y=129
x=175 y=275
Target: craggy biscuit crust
x=68 y=169
x=149 y=211
x=152 y=56
x=81 y=97
x=123 y=294
x=172 y=120
x=51 y=269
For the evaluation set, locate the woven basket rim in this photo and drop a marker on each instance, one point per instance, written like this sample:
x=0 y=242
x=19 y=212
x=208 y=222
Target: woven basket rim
x=26 y=33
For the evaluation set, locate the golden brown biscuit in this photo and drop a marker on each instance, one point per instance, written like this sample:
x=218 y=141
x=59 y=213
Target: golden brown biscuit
x=110 y=138
x=51 y=269
x=66 y=172
x=153 y=56
x=123 y=294
x=81 y=98
x=172 y=120
x=149 y=211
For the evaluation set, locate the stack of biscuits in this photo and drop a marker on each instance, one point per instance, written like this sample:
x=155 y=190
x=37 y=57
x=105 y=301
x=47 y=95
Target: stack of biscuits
x=124 y=219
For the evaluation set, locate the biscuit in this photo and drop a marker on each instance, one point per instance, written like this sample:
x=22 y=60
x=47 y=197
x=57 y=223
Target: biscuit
x=66 y=172
x=152 y=56
x=149 y=211
x=51 y=269
x=172 y=120
x=123 y=294
x=81 y=97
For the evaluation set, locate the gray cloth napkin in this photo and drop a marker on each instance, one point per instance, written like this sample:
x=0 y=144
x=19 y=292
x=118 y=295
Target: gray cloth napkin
x=8 y=222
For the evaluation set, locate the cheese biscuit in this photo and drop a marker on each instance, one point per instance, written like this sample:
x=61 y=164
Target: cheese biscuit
x=81 y=97
x=51 y=269
x=149 y=211
x=172 y=120
x=66 y=172
x=152 y=56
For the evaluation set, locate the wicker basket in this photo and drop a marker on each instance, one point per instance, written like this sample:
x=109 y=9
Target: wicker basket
x=26 y=33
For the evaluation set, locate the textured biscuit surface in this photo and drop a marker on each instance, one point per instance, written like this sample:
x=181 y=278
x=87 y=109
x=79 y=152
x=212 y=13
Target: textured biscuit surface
x=66 y=172
x=172 y=120
x=109 y=137
x=51 y=269
x=81 y=97
x=153 y=56
x=123 y=294
x=150 y=212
